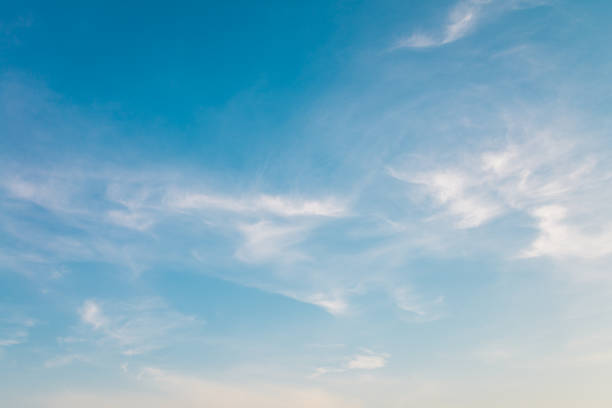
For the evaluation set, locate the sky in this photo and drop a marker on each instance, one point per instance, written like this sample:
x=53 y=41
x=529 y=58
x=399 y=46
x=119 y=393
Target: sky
x=330 y=204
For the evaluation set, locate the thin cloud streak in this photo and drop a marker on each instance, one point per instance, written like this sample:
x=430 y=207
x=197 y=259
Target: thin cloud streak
x=137 y=327
x=364 y=360
x=462 y=20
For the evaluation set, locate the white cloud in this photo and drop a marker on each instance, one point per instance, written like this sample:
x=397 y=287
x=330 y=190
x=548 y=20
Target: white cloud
x=419 y=310
x=319 y=371
x=137 y=327
x=13 y=339
x=452 y=189
x=266 y=241
x=129 y=219
x=547 y=178
x=333 y=304
x=368 y=361
x=364 y=360
x=417 y=40
x=556 y=238
x=91 y=314
x=201 y=201
x=461 y=20
x=256 y=228
x=296 y=207
x=274 y=205
x=46 y=192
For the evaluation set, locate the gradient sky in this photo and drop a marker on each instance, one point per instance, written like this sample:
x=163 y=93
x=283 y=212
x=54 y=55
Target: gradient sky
x=336 y=204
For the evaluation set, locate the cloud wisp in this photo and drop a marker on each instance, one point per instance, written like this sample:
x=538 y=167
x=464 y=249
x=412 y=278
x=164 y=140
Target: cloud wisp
x=136 y=327
x=460 y=21
x=463 y=19
x=546 y=178
x=364 y=360
x=254 y=229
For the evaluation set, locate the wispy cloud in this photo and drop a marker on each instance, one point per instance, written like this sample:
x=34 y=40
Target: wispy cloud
x=265 y=241
x=367 y=361
x=543 y=177
x=14 y=327
x=418 y=309
x=253 y=228
x=298 y=243
x=335 y=305
x=364 y=360
x=451 y=188
x=14 y=338
x=461 y=21
x=136 y=327
x=274 y=205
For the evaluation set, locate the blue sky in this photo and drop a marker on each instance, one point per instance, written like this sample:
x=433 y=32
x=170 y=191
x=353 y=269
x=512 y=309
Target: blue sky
x=342 y=204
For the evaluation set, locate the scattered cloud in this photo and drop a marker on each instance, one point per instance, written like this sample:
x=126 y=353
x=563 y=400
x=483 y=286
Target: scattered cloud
x=321 y=249
x=253 y=229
